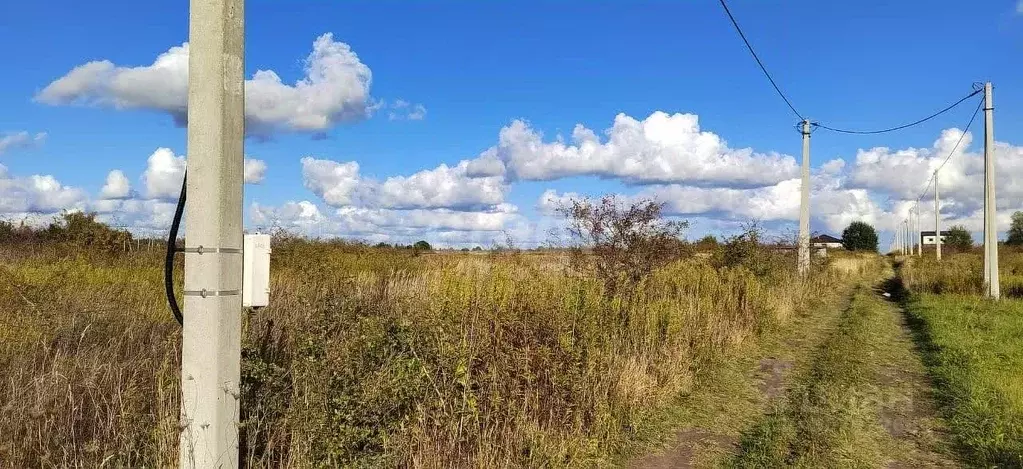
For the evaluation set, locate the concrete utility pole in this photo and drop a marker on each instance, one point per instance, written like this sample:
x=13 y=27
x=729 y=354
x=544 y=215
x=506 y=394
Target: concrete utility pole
x=804 y=204
x=211 y=337
x=909 y=234
x=937 y=219
x=919 y=233
x=991 y=279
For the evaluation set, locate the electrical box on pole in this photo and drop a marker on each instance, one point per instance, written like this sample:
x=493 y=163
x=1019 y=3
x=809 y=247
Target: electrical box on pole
x=256 y=271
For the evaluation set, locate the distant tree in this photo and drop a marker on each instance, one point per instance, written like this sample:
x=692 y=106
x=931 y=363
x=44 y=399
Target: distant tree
x=860 y=236
x=959 y=238
x=477 y=248
x=465 y=249
x=707 y=243
x=422 y=246
x=1015 y=230
x=382 y=245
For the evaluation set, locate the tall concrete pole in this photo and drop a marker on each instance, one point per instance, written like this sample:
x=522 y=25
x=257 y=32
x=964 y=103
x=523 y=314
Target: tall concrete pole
x=804 y=204
x=211 y=340
x=919 y=233
x=990 y=212
x=937 y=219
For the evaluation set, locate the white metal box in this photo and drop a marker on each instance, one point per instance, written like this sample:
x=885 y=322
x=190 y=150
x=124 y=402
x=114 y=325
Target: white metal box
x=256 y=270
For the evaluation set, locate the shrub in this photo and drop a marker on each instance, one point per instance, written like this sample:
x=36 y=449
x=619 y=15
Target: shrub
x=748 y=251
x=422 y=246
x=707 y=243
x=959 y=239
x=627 y=241
x=859 y=236
x=83 y=231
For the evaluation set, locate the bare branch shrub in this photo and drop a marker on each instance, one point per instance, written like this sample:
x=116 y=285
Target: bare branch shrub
x=623 y=242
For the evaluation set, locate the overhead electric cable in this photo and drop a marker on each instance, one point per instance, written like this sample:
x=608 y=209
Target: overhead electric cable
x=954 y=148
x=892 y=129
x=759 y=62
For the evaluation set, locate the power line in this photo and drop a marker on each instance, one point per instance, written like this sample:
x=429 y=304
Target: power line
x=892 y=129
x=954 y=148
x=760 y=63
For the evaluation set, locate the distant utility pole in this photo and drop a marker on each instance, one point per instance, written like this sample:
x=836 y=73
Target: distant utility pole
x=804 y=204
x=990 y=213
x=917 y=233
x=211 y=336
x=908 y=237
x=937 y=219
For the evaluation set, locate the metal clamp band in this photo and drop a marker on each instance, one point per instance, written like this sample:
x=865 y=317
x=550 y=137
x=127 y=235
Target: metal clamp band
x=204 y=250
x=207 y=293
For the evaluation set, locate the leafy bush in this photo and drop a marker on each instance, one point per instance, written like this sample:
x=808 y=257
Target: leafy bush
x=422 y=246
x=860 y=236
x=707 y=243
x=959 y=239
x=82 y=230
x=747 y=250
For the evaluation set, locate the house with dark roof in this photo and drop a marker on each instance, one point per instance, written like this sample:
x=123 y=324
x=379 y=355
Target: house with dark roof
x=825 y=241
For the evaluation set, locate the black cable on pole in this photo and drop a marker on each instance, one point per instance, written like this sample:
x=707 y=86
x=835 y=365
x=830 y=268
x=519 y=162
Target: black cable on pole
x=892 y=129
x=759 y=62
x=172 y=248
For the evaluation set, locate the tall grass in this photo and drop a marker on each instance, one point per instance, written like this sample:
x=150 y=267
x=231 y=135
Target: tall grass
x=963 y=273
x=372 y=357
x=974 y=349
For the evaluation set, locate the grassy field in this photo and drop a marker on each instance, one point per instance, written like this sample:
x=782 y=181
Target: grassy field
x=377 y=357
x=974 y=349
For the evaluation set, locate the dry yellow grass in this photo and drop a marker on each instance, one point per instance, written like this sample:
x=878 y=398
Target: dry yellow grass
x=372 y=357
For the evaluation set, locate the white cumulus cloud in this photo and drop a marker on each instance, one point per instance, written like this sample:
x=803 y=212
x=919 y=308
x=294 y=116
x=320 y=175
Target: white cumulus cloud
x=36 y=194
x=340 y=184
x=332 y=181
x=116 y=187
x=164 y=174
x=662 y=148
x=254 y=171
x=335 y=88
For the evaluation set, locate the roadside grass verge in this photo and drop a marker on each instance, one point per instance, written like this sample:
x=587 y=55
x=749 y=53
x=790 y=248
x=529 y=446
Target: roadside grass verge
x=974 y=350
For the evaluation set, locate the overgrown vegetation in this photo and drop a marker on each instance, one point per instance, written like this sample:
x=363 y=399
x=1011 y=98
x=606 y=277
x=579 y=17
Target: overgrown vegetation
x=622 y=242
x=378 y=358
x=962 y=273
x=77 y=229
x=975 y=352
x=974 y=348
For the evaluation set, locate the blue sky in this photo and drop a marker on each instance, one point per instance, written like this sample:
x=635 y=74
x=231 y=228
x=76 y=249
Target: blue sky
x=474 y=67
